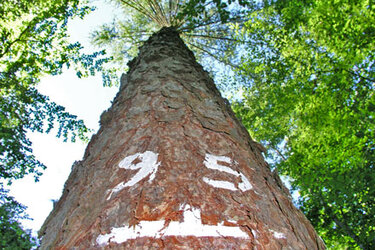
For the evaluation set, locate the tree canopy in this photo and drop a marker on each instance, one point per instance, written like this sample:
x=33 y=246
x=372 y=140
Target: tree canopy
x=12 y=234
x=204 y=27
x=312 y=104
x=34 y=43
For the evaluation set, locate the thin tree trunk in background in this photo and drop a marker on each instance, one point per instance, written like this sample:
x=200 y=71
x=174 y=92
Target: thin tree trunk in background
x=172 y=168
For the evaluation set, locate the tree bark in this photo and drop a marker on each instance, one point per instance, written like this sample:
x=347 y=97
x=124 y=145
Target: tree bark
x=171 y=167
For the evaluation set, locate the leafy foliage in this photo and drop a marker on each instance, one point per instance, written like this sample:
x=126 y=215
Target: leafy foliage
x=309 y=70
x=12 y=235
x=33 y=43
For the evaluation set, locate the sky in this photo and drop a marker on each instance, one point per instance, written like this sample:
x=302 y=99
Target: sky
x=86 y=98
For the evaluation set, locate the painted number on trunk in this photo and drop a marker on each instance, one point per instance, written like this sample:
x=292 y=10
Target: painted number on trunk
x=213 y=162
x=146 y=162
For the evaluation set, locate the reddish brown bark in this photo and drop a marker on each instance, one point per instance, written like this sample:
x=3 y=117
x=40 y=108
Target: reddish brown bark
x=172 y=150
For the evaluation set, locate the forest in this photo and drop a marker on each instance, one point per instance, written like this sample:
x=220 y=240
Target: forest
x=300 y=75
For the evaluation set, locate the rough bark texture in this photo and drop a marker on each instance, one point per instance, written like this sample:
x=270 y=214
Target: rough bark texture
x=168 y=114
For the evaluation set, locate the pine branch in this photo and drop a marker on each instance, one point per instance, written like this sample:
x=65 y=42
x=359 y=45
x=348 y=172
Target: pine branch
x=214 y=37
x=214 y=56
x=140 y=9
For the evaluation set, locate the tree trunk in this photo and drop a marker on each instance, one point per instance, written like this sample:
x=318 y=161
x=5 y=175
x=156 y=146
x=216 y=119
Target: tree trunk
x=171 y=167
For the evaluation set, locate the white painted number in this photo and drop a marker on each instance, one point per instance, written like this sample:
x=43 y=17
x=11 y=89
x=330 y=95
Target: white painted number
x=147 y=165
x=211 y=162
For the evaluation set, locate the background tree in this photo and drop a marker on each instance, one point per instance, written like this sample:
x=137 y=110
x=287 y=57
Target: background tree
x=34 y=43
x=312 y=104
x=12 y=234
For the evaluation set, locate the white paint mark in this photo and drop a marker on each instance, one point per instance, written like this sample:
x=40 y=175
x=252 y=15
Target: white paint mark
x=122 y=234
x=220 y=184
x=245 y=184
x=191 y=226
x=147 y=165
x=278 y=235
x=211 y=162
x=254 y=233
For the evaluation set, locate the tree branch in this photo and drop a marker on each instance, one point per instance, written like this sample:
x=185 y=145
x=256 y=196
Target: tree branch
x=214 y=37
x=18 y=39
x=279 y=153
x=213 y=56
x=358 y=75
